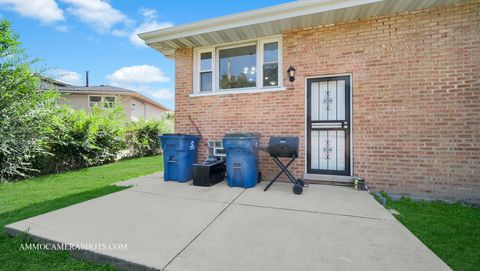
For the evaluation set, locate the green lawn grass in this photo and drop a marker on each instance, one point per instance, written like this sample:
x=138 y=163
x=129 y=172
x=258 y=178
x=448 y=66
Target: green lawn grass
x=452 y=231
x=43 y=194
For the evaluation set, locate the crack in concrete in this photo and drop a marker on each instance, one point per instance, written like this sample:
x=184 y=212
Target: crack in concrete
x=182 y=197
x=316 y=212
x=205 y=228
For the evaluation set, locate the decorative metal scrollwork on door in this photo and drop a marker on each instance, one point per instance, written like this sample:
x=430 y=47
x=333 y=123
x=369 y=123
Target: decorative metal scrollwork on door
x=328 y=126
x=327 y=101
x=327 y=149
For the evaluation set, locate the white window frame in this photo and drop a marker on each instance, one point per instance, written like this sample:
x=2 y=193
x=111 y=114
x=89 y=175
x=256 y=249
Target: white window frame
x=214 y=50
x=217 y=61
x=198 y=69
x=261 y=50
x=96 y=103
x=102 y=100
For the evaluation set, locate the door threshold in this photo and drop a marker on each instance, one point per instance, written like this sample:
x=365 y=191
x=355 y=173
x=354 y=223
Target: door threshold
x=328 y=179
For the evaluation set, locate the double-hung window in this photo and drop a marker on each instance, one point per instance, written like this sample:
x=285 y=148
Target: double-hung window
x=206 y=71
x=270 y=64
x=252 y=65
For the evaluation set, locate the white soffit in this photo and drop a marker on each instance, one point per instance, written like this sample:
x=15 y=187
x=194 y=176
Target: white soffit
x=276 y=20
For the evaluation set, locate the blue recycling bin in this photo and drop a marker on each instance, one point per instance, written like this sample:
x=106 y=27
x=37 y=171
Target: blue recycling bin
x=242 y=159
x=179 y=155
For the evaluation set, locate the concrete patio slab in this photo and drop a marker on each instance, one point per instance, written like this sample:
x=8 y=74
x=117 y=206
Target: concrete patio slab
x=253 y=238
x=154 y=227
x=155 y=185
x=142 y=180
x=316 y=198
x=177 y=226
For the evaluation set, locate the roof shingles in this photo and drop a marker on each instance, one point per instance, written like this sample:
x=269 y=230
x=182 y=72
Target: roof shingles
x=48 y=83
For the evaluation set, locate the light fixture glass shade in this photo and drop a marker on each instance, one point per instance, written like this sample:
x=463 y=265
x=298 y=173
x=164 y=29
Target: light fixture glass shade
x=291 y=73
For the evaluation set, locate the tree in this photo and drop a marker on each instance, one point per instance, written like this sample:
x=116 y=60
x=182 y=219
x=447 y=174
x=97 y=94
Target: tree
x=26 y=112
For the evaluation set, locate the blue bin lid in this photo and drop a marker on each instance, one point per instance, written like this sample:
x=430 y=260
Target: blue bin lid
x=180 y=136
x=242 y=135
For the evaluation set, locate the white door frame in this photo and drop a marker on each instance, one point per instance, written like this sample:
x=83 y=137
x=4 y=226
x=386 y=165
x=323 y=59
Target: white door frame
x=351 y=118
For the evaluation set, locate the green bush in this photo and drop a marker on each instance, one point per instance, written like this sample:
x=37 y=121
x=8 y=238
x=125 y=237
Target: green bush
x=141 y=137
x=39 y=136
x=25 y=112
x=80 y=139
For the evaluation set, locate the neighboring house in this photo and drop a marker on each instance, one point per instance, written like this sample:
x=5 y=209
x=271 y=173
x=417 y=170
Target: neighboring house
x=384 y=89
x=135 y=105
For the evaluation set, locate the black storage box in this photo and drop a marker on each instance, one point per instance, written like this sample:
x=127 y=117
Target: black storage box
x=208 y=173
x=283 y=146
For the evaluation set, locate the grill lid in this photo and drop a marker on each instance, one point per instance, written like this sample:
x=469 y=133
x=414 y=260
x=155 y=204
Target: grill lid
x=282 y=146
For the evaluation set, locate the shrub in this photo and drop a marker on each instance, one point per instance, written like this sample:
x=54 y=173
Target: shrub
x=141 y=137
x=25 y=112
x=38 y=136
x=80 y=139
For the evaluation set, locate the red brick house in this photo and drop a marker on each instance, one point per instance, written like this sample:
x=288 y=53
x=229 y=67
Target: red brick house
x=388 y=90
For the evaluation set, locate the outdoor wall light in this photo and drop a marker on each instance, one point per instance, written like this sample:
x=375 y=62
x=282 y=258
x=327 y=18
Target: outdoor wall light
x=291 y=74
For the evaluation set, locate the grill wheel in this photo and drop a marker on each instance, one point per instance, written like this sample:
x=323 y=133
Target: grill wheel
x=297 y=189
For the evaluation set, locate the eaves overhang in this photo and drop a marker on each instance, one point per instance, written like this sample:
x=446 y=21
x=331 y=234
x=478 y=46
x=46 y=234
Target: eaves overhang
x=277 y=20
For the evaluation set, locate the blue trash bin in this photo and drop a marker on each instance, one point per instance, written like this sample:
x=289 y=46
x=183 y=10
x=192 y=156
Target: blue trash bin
x=179 y=155
x=242 y=159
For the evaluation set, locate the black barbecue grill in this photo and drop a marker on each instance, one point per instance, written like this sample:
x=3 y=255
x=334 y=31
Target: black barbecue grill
x=285 y=147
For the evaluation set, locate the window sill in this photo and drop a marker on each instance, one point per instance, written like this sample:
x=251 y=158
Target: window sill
x=243 y=91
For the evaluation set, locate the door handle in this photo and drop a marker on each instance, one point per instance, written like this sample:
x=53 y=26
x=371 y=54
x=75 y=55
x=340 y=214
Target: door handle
x=345 y=125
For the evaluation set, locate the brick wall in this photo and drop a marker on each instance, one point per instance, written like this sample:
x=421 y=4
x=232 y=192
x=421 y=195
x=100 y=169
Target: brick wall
x=416 y=99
